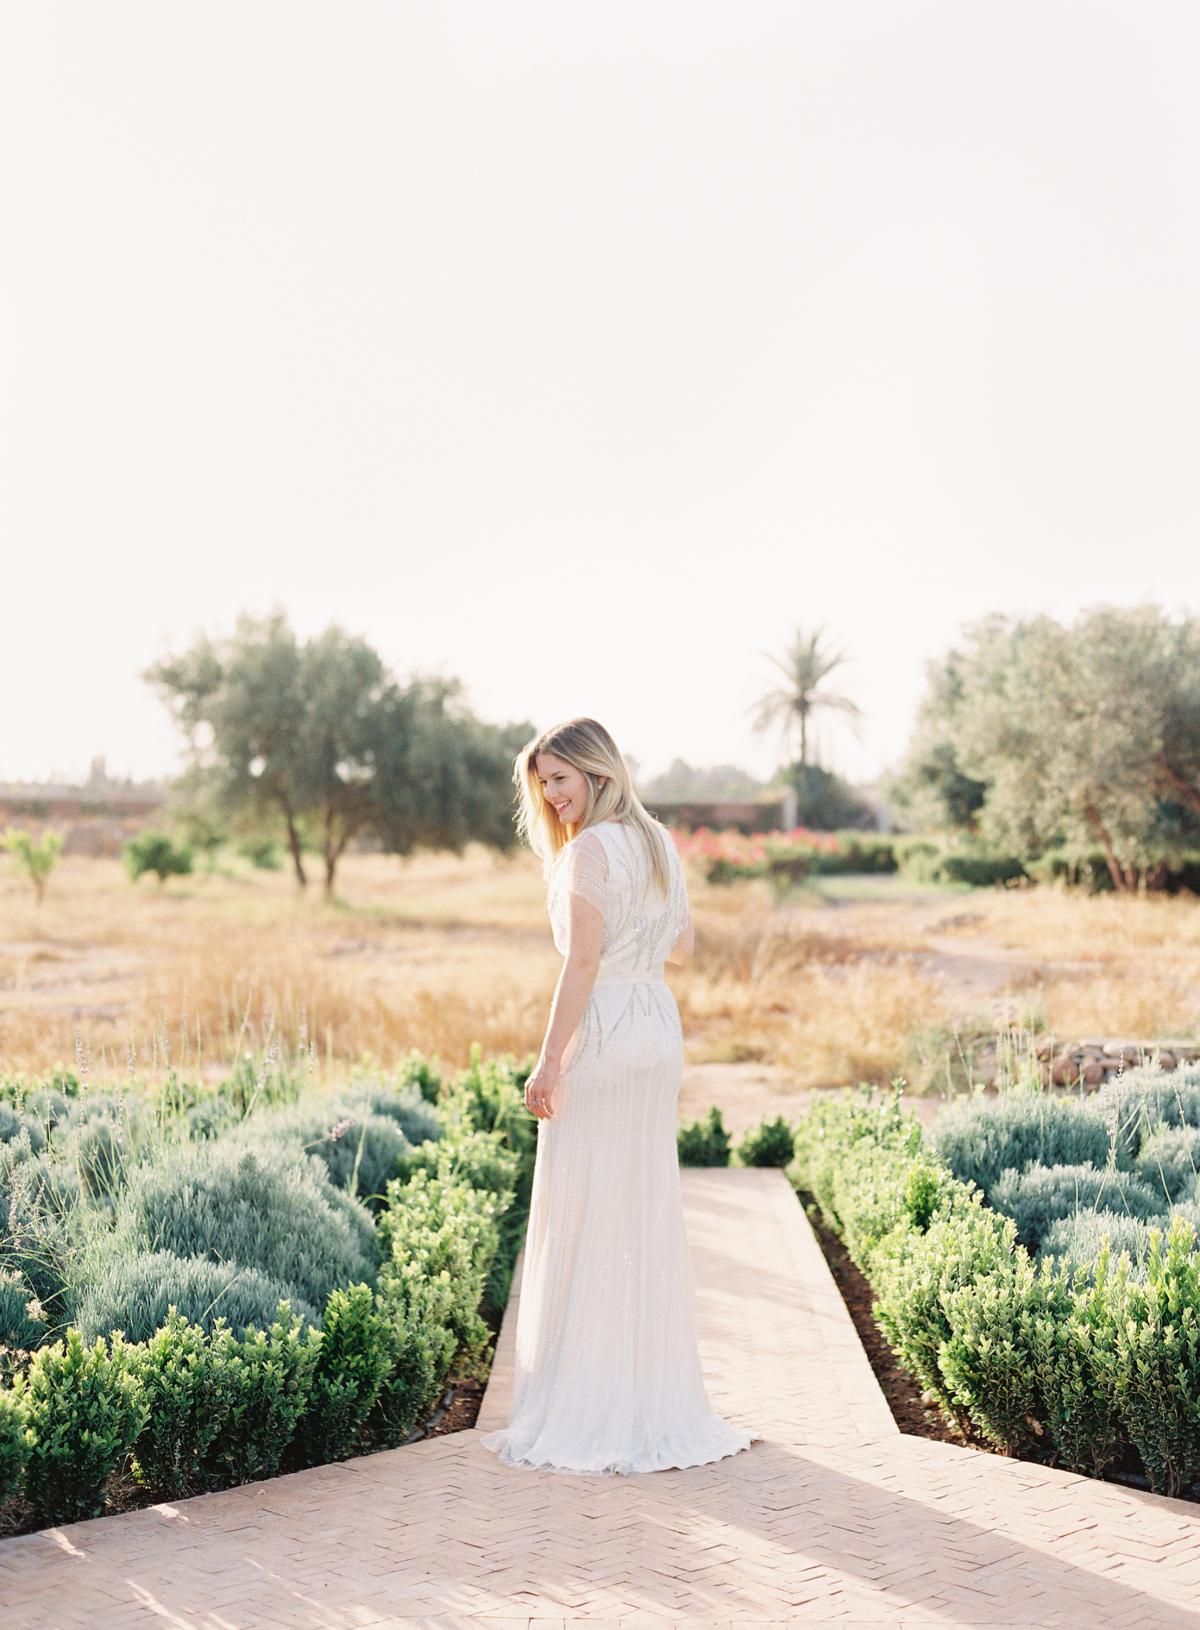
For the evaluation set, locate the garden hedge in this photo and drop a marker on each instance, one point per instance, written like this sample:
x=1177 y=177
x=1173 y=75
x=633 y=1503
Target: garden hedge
x=1094 y=1366
x=228 y=1380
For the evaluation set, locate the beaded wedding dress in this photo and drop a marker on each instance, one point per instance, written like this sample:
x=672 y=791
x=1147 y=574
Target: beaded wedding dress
x=607 y=1373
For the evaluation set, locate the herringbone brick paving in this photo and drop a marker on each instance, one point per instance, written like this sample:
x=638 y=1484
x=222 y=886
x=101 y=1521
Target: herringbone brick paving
x=836 y=1518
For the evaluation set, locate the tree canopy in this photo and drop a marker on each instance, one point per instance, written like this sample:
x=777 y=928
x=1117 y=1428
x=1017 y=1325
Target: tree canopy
x=319 y=739
x=1034 y=735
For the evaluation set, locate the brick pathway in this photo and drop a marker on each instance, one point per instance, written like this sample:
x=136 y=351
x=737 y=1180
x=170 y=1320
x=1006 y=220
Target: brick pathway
x=836 y=1518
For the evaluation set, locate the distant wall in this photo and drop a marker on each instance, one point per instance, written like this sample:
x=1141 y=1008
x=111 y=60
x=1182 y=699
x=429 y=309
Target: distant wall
x=740 y=815
x=745 y=815
x=92 y=821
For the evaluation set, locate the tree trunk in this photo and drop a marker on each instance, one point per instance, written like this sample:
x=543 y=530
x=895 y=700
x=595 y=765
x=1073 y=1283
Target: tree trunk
x=1179 y=785
x=330 y=850
x=294 y=846
x=335 y=847
x=1092 y=815
x=1151 y=876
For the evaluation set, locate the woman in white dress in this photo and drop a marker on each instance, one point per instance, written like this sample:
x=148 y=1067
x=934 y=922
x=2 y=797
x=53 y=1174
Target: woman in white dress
x=608 y=1377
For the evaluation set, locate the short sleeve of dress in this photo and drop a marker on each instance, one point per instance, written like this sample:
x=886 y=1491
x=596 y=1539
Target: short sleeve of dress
x=683 y=909
x=685 y=912
x=587 y=870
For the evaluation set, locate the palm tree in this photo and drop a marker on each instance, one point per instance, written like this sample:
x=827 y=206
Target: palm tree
x=806 y=668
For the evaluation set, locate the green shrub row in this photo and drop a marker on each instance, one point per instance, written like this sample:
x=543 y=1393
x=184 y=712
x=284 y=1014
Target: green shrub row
x=1132 y=1149
x=980 y=1138
x=1087 y=868
x=952 y=859
x=1092 y=1367
x=93 y=1185
x=856 y=852
x=937 y=860
x=1076 y=1238
x=787 y=859
x=706 y=1142
x=1041 y=1195
x=215 y=1390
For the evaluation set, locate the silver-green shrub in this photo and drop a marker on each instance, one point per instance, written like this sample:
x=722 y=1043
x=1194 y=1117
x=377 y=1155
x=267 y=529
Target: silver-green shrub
x=99 y=1150
x=23 y=1321
x=1075 y=1239
x=1169 y=1160
x=1141 y=1101
x=38 y=1198
x=209 y=1117
x=1039 y=1195
x=361 y=1152
x=981 y=1138
x=133 y=1292
x=48 y=1106
x=13 y=1123
x=416 y=1118
x=255 y=1207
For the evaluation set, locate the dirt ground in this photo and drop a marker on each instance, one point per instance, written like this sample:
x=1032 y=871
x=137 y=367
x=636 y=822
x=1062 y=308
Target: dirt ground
x=859 y=979
x=977 y=975
x=749 y=1093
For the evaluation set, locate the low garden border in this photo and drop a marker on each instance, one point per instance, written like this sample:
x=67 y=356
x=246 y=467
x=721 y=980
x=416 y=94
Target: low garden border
x=113 y=1424
x=1090 y=1368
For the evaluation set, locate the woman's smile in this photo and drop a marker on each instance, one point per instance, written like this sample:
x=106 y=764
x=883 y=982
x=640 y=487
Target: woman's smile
x=565 y=788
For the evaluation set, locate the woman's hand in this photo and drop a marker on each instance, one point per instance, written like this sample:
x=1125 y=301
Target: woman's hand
x=541 y=1090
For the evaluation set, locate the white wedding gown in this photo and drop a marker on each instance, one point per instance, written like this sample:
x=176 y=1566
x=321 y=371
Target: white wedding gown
x=607 y=1374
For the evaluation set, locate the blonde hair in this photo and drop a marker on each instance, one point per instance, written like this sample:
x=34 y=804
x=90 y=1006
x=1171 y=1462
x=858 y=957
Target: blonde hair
x=587 y=746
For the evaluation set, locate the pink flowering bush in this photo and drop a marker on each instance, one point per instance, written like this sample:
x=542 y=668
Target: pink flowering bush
x=783 y=857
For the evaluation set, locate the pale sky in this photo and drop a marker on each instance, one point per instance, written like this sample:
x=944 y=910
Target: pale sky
x=584 y=350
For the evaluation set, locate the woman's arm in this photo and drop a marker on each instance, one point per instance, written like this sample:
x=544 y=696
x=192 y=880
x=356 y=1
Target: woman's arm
x=587 y=880
x=575 y=979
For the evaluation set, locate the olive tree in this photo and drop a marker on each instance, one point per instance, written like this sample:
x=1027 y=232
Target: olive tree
x=1085 y=734
x=320 y=737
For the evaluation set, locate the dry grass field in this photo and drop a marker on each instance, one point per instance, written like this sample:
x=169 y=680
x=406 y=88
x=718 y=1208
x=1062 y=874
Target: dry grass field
x=863 y=980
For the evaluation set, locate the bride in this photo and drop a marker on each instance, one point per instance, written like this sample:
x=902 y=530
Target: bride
x=608 y=1377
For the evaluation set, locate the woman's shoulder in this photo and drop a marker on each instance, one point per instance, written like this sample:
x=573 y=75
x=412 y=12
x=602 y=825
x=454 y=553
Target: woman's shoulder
x=601 y=829
x=580 y=845
x=631 y=846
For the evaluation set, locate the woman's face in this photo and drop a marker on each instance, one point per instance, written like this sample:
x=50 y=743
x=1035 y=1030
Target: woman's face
x=564 y=786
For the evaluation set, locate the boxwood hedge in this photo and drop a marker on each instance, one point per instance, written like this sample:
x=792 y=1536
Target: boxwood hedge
x=229 y=1379
x=1092 y=1364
